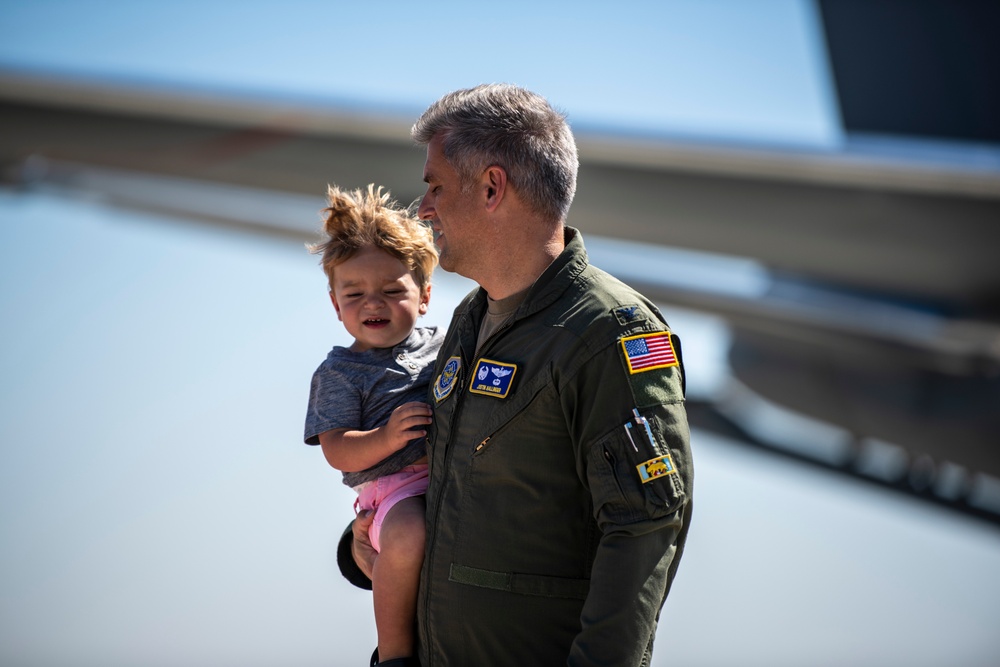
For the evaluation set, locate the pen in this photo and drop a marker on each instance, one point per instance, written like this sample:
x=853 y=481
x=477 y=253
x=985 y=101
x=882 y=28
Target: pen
x=649 y=432
x=628 y=432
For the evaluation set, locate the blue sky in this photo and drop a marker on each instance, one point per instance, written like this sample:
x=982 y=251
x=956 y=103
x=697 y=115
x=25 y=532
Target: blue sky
x=725 y=68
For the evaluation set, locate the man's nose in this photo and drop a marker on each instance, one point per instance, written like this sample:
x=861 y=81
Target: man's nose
x=426 y=209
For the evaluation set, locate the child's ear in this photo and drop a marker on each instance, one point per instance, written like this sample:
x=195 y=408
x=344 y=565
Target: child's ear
x=425 y=299
x=336 y=306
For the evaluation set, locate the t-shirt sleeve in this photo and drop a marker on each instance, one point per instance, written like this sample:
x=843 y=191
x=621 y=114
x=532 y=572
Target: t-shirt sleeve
x=334 y=402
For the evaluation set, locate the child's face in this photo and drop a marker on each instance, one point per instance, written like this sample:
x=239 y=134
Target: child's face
x=377 y=299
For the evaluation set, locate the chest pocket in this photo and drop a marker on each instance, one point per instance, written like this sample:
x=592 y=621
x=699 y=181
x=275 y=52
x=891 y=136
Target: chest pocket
x=504 y=413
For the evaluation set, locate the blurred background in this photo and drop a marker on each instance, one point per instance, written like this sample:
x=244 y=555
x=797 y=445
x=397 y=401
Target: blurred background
x=809 y=189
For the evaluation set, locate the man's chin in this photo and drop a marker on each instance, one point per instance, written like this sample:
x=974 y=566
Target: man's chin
x=444 y=261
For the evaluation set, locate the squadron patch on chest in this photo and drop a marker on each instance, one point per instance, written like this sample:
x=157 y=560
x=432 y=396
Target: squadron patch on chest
x=492 y=378
x=446 y=381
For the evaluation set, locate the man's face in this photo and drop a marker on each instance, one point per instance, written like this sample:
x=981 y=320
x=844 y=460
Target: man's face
x=452 y=213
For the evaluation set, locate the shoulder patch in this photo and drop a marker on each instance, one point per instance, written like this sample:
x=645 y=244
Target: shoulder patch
x=648 y=351
x=446 y=381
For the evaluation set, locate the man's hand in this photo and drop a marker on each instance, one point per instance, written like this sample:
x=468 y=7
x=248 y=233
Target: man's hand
x=364 y=552
x=405 y=424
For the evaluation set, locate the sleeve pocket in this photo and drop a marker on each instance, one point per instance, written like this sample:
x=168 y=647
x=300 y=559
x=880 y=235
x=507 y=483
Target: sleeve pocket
x=629 y=486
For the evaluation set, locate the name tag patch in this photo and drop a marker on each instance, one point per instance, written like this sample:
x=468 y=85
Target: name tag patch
x=654 y=468
x=492 y=378
x=446 y=381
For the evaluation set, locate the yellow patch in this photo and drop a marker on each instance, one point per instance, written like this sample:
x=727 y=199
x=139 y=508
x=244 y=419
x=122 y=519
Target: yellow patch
x=661 y=466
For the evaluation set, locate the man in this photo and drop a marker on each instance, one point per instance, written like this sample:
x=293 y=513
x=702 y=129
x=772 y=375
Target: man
x=560 y=470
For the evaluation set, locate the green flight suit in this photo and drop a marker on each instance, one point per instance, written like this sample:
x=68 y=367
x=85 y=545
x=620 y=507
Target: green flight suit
x=553 y=531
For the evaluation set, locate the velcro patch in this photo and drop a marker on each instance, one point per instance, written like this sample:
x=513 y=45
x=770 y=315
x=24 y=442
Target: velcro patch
x=648 y=351
x=492 y=378
x=658 y=467
x=446 y=381
x=628 y=314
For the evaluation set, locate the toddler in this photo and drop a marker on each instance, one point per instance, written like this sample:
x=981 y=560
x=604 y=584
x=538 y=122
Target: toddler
x=366 y=408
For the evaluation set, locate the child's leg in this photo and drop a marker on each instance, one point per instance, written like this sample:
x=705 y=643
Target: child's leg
x=396 y=576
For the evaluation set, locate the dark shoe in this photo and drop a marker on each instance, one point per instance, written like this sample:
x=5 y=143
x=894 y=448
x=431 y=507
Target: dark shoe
x=395 y=662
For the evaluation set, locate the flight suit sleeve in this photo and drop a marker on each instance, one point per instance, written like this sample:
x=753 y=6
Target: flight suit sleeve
x=629 y=423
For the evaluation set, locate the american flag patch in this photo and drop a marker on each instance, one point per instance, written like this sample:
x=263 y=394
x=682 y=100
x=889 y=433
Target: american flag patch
x=648 y=351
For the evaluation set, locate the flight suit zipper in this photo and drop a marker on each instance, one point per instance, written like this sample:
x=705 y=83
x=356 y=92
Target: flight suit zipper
x=479 y=349
x=503 y=327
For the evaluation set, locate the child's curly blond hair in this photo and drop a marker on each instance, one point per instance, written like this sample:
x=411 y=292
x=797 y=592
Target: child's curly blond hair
x=356 y=219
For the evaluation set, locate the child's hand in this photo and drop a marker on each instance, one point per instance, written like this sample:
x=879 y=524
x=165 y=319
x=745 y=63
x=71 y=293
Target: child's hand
x=405 y=424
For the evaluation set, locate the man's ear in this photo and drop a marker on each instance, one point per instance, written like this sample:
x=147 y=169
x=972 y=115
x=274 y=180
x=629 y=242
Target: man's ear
x=495 y=185
x=336 y=306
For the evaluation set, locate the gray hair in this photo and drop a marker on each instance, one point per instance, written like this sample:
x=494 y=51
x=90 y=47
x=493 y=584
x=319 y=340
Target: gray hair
x=513 y=128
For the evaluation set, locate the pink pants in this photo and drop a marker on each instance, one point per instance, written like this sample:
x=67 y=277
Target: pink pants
x=382 y=493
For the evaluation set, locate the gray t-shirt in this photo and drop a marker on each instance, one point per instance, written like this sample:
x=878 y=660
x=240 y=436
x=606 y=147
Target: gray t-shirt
x=359 y=390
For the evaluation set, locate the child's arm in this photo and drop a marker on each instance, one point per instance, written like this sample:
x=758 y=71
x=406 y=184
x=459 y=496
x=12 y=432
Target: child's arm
x=351 y=450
